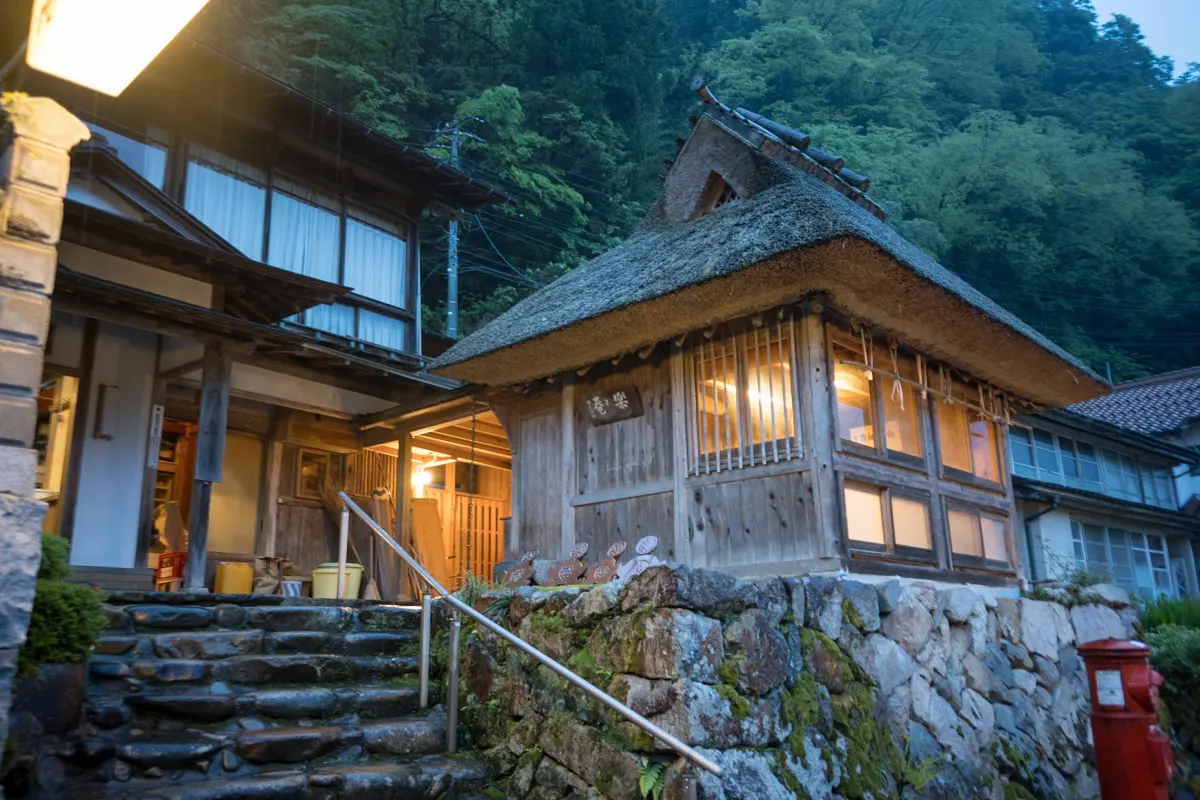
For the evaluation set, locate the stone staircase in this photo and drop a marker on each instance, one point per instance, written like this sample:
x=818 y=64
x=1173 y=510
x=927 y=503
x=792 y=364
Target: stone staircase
x=207 y=697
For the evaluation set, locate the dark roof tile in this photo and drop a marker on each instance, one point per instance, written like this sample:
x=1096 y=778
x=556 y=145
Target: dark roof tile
x=1153 y=406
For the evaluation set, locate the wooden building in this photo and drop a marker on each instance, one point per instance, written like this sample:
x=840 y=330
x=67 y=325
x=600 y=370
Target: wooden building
x=237 y=298
x=768 y=378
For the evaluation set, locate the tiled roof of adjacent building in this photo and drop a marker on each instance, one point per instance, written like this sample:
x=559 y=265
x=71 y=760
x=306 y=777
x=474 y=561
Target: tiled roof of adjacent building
x=1153 y=406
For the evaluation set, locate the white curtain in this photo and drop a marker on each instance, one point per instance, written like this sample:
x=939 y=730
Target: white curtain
x=334 y=319
x=376 y=261
x=230 y=203
x=304 y=238
x=381 y=330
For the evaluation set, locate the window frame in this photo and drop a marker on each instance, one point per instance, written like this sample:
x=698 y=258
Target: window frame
x=964 y=561
x=949 y=473
x=301 y=452
x=889 y=550
x=704 y=459
x=879 y=450
x=1079 y=545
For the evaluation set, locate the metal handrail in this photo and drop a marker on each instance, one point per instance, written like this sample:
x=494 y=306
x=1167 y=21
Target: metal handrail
x=459 y=606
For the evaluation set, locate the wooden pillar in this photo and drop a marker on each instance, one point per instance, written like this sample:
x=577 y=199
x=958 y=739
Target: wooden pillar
x=817 y=404
x=270 y=511
x=69 y=503
x=569 y=480
x=682 y=550
x=404 y=492
x=150 y=476
x=210 y=457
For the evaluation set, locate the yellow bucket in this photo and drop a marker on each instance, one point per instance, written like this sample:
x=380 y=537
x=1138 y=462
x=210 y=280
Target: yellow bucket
x=325 y=580
x=233 y=577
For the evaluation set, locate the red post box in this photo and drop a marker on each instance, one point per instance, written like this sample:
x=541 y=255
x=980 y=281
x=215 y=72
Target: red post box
x=1133 y=755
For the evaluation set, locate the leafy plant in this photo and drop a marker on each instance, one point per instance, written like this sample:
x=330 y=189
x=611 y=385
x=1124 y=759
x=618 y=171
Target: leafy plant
x=1175 y=651
x=652 y=779
x=55 y=564
x=498 y=610
x=918 y=774
x=474 y=587
x=1181 y=611
x=64 y=626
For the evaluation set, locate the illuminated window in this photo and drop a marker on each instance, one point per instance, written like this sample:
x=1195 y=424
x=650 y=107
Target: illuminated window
x=881 y=519
x=977 y=537
x=968 y=441
x=744 y=401
x=868 y=400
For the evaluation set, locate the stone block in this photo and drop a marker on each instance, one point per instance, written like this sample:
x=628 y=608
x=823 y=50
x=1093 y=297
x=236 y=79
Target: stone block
x=707 y=591
x=795 y=590
x=889 y=593
x=1039 y=628
x=198 y=707
x=584 y=751
x=27 y=212
x=759 y=652
x=1110 y=595
x=745 y=775
x=20 y=554
x=592 y=606
x=37 y=164
x=18 y=417
x=168 y=751
x=24 y=316
x=909 y=624
x=21 y=367
x=823 y=605
x=404 y=737
x=286 y=745
x=1095 y=623
x=18 y=471
x=27 y=265
x=292 y=703
x=44 y=120
x=171 y=617
x=663 y=643
x=325 y=619
x=549 y=634
x=885 y=661
x=206 y=645
x=864 y=602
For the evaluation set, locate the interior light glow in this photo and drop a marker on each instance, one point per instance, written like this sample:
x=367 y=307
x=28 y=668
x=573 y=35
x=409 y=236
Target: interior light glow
x=103 y=44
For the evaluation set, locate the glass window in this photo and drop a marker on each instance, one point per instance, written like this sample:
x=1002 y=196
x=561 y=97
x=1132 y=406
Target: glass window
x=995 y=546
x=910 y=520
x=864 y=515
x=335 y=319
x=313 y=467
x=964 y=533
x=1089 y=470
x=1133 y=561
x=1047 y=455
x=229 y=197
x=376 y=258
x=856 y=415
x=744 y=413
x=381 y=329
x=1020 y=444
x=1165 y=487
x=954 y=435
x=1070 y=463
x=146 y=157
x=900 y=410
x=977 y=535
x=983 y=447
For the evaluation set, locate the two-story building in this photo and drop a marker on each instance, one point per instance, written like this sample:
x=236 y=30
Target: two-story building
x=237 y=296
x=769 y=379
x=1100 y=498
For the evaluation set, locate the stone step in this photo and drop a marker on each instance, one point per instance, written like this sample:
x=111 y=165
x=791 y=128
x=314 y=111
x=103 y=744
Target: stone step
x=420 y=779
x=168 y=617
x=251 y=669
x=281 y=786
x=211 y=645
x=406 y=737
x=292 y=745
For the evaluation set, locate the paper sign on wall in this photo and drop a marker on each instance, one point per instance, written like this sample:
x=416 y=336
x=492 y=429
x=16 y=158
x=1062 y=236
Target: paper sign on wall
x=156 y=425
x=1109 y=691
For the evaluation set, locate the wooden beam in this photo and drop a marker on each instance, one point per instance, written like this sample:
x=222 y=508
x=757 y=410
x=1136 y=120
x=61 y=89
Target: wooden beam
x=464 y=437
x=183 y=369
x=268 y=527
x=210 y=458
x=679 y=458
x=404 y=534
x=456 y=451
x=389 y=417
x=79 y=429
x=464 y=445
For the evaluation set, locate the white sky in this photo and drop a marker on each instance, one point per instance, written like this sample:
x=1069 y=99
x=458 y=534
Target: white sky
x=1171 y=27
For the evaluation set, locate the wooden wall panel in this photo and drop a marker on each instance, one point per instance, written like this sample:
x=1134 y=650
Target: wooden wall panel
x=305 y=536
x=634 y=451
x=756 y=521
x=540 y=478
x=627 y=520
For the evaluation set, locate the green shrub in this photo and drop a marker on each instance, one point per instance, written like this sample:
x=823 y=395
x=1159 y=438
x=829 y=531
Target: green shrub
x=1181 y=611
x=55 y=563
x=1175 y=652
x=64 y=626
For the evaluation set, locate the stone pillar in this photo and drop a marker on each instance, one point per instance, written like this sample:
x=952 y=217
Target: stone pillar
x=33 y=179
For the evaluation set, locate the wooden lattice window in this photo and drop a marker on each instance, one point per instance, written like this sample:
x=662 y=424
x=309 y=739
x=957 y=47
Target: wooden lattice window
x=717 y=193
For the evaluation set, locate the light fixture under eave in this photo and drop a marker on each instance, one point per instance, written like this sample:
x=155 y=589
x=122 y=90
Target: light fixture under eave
x=103 y=44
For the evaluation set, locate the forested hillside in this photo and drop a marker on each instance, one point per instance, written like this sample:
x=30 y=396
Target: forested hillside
x=1046 y=156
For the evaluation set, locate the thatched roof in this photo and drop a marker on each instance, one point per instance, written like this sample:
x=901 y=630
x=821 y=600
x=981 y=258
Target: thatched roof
x=797 y=237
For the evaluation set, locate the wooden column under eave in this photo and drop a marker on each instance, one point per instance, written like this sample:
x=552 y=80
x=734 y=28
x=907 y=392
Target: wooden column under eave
x=210 y=457
x=408 y=583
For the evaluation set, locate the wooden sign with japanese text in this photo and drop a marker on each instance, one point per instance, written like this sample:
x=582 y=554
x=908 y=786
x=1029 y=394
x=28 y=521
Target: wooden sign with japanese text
x=613 y=405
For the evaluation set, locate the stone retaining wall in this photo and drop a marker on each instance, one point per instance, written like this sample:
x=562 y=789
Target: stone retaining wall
x=811 y=687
